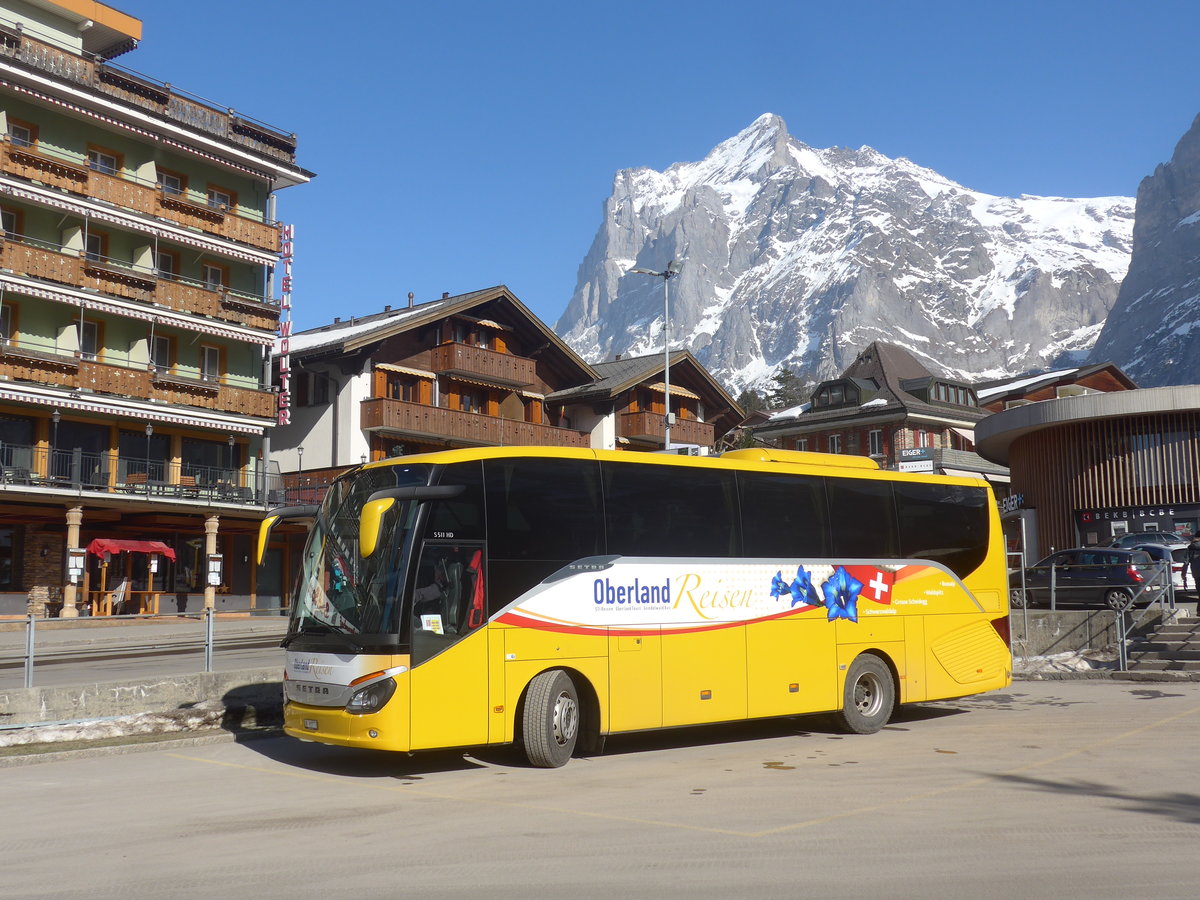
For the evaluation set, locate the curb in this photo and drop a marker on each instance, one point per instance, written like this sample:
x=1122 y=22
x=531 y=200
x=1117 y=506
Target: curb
x=1108 y=675
x=176 y=740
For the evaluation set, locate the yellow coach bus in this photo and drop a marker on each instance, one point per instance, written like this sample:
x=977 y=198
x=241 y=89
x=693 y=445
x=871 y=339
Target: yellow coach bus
x=553 y=597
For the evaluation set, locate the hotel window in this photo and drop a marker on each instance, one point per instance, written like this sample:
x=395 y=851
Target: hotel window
x=170 y=183
x=166 y=264
x=219 y=198
x=160 y=353
x=11 y=221
x=21 y=133
x=801 y=443
x=834 y=443
x=210 y=363
x=89 y=339
x=95 y=246
x=215 y=277
x=6 y=323
x=920 y=438
x=875 y=442
x=103 y=161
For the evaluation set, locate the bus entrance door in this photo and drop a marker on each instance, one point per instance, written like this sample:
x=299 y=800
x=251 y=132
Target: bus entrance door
x=449 y=681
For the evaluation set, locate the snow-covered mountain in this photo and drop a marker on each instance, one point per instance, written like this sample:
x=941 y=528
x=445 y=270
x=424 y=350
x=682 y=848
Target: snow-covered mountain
x=799 y=257
x=1154 y=329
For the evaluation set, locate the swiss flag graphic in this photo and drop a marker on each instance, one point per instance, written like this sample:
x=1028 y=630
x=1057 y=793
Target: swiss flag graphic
x=877 y=583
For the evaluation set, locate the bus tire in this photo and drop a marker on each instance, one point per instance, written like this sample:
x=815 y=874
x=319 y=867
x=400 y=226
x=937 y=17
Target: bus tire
x=550 y=719
x=869 y=695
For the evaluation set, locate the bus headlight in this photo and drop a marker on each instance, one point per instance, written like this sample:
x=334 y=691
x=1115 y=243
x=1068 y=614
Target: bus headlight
x=372 y=698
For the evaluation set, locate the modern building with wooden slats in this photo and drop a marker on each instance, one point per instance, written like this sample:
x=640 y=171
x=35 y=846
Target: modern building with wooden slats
x=1093 y=465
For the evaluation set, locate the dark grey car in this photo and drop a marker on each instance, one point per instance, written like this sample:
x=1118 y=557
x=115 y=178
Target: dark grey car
x=1087 y=576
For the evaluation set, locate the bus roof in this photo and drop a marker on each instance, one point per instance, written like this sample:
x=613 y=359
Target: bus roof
x=761 y=458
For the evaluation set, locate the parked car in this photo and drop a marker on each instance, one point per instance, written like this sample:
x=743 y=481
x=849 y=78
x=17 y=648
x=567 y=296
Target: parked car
x=1087 y=576
x=1177 y=557
x=1134 y=538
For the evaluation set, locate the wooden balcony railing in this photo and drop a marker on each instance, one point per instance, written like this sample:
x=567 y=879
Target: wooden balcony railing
x=34 y=165
x=419 y=421
x=69 y=371
x=646 y=426
x=487 y=365
x=67 y=268
x=146 y=93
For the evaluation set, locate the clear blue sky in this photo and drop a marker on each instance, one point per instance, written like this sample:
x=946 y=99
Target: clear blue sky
x=464 y=144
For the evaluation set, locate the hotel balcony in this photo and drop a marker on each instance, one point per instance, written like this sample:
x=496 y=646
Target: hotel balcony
x=24 y=256
x=64 y=369
x=135 y=90
x=415 y=420
x=186 y=208
x=489 y=366
x=39 y=470
x=644 y=426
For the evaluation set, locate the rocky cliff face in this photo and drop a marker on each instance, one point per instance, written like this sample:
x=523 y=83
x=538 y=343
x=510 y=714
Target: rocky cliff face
x=800 y=257
x=1153 y=332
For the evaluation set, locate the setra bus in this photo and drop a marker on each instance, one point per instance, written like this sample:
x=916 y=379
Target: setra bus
x=552 y=597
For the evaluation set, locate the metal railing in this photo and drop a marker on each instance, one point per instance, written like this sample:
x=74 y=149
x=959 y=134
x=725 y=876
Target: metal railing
x=77 y=470
x=202 y=639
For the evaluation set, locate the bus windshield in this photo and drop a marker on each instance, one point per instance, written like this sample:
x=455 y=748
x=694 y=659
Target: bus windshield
x=352 y=601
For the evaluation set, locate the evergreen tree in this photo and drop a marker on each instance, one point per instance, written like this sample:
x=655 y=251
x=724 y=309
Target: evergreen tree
x=790 y=390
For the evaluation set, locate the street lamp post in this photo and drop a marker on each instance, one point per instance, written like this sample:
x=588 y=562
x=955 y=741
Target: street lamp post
x=672 y=269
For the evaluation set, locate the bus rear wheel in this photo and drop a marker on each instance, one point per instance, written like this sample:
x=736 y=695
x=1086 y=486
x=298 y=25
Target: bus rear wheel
x=869 y=696
x=550 y=722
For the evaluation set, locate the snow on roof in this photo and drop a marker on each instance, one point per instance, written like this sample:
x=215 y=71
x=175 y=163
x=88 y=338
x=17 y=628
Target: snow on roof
x=984 y=393
x=334 y=334
x=789 y=413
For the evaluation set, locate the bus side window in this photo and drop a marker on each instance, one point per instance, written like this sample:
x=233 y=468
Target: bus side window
x=862 y=518
x=946 y=523
x=783 y=515
x=543 y=509
x=661 y=510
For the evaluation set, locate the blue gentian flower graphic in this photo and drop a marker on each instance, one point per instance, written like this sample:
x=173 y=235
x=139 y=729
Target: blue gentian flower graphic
x=778 y=585
x=803 y=590
x=841 y=595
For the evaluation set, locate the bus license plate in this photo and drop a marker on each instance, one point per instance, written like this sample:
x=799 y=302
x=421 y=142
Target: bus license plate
x=310 y=724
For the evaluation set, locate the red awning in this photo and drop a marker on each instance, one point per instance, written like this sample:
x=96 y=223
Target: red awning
x=100 y=546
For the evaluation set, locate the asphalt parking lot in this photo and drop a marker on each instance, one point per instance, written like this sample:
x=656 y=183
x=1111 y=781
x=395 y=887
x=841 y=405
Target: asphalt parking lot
x=1061 y=788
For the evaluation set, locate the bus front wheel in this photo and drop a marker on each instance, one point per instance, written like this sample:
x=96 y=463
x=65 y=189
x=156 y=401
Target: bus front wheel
x=550 y=723
x=869 y=696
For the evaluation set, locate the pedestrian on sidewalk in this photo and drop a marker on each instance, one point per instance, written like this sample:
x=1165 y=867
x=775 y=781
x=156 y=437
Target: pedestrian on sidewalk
x=1193 y=562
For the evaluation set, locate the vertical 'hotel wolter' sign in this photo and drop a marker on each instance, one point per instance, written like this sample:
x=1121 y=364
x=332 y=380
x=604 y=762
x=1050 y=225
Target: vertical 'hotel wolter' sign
x=286 y=245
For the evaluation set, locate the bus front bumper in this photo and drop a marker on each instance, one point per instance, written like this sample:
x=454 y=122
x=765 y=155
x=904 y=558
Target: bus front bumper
x=383 y=730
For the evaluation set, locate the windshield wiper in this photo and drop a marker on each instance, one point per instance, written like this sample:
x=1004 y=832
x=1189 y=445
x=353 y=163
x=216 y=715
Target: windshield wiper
x=328 y=630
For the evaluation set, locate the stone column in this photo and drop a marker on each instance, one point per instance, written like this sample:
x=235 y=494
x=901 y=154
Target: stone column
x=210 y=547
x=74 y=519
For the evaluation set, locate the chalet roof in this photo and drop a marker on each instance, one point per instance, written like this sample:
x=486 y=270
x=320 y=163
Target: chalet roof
x=360 y=332
x=884 y=367
x=988 y=391
x=619 y=375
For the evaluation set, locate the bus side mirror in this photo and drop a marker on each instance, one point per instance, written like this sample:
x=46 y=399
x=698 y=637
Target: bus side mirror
x=370 y=523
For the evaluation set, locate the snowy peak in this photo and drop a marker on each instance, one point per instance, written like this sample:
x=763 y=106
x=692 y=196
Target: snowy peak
x=797 y=256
